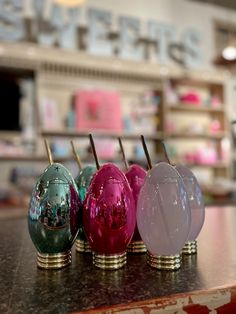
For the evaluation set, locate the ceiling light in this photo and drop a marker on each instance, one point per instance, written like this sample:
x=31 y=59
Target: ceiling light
x=229 y=53
x=70 y=3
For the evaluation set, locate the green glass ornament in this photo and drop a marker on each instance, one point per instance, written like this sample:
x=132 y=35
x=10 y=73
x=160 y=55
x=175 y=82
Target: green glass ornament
x=54 y=216
x=83 y=181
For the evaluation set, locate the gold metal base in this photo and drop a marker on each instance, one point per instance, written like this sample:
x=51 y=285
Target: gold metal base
x=82 y=246
x=137 y=247
x=109 y=262
x=190 y=248
x=53 y=261
x=161 y=262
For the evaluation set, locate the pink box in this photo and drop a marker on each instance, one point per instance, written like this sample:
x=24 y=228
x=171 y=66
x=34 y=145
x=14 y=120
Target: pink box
x=97 y=109
x=191 y=98
x=206 y=156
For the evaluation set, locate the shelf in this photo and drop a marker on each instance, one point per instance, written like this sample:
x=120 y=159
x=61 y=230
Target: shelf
x=193 y=80
x=219 y=135
x=60 y=73
x=34 y=158
x=194 y=108
x=10 y=134
x=99 y=133
x=218 y=165
x=30 y=158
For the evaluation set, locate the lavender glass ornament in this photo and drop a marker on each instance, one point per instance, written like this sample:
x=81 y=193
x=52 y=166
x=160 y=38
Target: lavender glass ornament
x=163 y=216
x=109 y=217
x=83 y=181
x=197 y=207
x=135 y=176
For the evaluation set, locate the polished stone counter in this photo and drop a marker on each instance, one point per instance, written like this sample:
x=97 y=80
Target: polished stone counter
x=26 y=289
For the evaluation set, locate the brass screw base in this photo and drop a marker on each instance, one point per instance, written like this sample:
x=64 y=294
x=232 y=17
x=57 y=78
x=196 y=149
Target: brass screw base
x=161 y=262
x=190 y=248
x=53 y=261
x=82 y=246
x=137 y=247
x=109 y=262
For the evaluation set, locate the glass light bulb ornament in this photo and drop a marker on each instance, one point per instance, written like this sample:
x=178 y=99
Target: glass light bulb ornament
x=83 y=181
x=163 y=216
x=53 y=217
x=135 y=176
x=197 y=207
x=109 y=217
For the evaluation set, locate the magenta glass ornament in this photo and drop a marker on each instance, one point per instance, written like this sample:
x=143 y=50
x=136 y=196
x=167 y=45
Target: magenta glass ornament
x=163 y=216
x=197 y=207
x=109 y=217
x=135 y=176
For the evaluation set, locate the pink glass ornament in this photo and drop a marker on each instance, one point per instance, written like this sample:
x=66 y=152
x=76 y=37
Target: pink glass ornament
x=109 y=215
x=135 y=176
x=163 y=213
x=196 y=201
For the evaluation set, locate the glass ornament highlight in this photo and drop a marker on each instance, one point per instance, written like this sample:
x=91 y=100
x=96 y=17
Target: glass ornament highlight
x=109 y=217
x=135 y=176
x=197 y=207
x=163 y=216
x=53 y=217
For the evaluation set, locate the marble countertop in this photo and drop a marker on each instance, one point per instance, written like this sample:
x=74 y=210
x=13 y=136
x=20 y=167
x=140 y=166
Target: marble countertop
x=81 y=286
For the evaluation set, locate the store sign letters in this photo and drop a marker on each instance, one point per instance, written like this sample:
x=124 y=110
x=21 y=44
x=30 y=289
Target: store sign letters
x=53 y=24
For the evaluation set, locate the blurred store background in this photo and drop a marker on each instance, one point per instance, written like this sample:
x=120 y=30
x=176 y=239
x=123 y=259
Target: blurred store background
x=161 y=68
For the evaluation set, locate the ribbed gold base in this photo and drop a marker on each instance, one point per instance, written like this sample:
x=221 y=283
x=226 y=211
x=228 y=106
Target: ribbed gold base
x=109 y=262
x=54 y=261
x=190 y=248
x=172 y=262
x=137 y=247
x=82 y=246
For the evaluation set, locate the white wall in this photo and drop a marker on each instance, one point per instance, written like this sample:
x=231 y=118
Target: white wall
x=180 y=13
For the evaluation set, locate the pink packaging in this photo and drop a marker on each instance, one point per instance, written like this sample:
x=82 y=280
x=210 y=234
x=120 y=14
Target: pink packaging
x=106 y=148
x=191 y=97
x=215 y=101
x=190 y=157
x=206 y=156
x=97 y=109
x=215 y=126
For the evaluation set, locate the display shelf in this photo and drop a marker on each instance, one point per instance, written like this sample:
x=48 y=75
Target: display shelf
x=59 y=75
x=9 y=134
x=216 y=136
x=32 y=158
x=23 y=158
x=218 y=165
x=44 y=159
x=196 y=126
x=193 y=108
x=101 y=133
